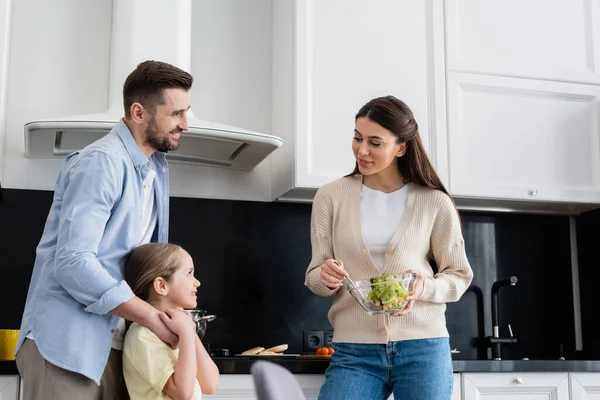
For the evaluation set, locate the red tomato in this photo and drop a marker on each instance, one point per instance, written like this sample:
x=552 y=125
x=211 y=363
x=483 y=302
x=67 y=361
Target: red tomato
x=322 y=351
x=330 y=350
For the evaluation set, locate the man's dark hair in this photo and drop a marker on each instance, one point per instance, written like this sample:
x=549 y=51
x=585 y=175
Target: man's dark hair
x=146 y=83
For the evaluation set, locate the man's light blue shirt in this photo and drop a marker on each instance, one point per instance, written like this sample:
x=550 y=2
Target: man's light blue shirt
x=93 y=224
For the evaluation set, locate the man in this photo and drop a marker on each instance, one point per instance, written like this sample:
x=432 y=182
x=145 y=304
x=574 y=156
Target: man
x=110 y=197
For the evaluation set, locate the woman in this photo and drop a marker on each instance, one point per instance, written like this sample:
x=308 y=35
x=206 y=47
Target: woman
x=392 y=214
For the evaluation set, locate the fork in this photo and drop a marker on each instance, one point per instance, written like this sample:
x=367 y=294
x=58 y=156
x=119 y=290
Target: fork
x=351 y=281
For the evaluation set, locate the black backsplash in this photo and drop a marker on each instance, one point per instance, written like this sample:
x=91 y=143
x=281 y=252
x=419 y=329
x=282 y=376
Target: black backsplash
x=588 y=234
x=251 y=258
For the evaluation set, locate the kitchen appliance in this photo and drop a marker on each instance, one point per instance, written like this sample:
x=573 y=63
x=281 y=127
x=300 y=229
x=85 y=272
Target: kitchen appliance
x=150 y=30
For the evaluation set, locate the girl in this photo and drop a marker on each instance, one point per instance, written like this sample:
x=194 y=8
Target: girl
x=163 y=275
x=392 y=214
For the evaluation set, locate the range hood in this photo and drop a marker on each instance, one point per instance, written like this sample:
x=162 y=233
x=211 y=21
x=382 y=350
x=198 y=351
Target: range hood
x=150 y=30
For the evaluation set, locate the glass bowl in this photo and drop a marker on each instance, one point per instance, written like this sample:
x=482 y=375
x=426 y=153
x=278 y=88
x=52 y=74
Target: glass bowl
x=384 y=294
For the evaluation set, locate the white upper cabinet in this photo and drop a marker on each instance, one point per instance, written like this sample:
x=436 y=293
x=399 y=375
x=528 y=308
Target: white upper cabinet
x=523 y=91
x=556 y=40
x=342 y=54
x=523 y=139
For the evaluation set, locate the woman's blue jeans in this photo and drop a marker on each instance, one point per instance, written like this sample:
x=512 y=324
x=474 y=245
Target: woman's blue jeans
x=418 y=369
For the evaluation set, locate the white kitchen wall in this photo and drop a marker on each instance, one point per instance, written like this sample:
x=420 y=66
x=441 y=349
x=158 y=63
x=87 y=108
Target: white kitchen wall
x=5 y=11
x=59 y=64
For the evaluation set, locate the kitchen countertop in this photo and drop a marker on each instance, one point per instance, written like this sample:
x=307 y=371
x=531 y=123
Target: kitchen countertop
x=241 y=365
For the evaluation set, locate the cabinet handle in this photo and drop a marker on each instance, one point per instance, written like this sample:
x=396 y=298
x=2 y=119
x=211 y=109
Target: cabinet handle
x=518 y=381
x=533 y=192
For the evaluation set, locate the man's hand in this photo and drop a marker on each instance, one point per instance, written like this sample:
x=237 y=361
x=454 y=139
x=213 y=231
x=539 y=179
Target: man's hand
x=163 y=332
x=137 y=310
x=179 y=321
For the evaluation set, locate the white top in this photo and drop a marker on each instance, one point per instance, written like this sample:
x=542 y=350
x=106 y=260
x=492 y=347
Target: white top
x=149 y=213
x=149 y=218
x=380 y=215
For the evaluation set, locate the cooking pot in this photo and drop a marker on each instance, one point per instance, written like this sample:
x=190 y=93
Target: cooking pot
x=201 y=320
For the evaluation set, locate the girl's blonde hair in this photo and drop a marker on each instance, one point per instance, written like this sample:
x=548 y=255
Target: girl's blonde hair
x=148 y=262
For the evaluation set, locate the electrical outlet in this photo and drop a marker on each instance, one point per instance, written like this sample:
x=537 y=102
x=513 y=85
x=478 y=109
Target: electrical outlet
x=328 y=338
x=312 y=340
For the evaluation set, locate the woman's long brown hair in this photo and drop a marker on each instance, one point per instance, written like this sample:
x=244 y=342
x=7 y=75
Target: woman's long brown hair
x=395 y=116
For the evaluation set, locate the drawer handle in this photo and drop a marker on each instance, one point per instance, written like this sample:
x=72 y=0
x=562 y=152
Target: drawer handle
x=533 y=192
x=518 y=381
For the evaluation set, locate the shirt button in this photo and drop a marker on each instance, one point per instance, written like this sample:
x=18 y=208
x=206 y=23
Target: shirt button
x=137 y=167
x=142 y=217
x=382 y=332
x=144 y=186
x=149 y=165
x=112 y=331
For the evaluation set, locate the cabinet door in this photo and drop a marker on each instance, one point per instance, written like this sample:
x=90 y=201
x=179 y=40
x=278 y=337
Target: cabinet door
x=552 y=40
x=523 y=139
x=348 y=52
x=585 y=386
x=9 y=387
x=242 y=387
x=455 y=389
x=514 y=386
x=234 y=387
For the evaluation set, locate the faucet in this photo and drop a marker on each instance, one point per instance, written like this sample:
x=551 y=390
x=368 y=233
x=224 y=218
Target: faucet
x=495 y=341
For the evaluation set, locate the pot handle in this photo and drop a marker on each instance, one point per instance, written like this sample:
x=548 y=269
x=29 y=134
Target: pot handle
x=207 y=318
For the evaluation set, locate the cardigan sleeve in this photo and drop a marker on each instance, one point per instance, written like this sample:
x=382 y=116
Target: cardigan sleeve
x=448 y=247
x=321 y=242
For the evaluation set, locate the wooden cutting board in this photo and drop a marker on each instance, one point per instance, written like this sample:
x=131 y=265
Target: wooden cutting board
x=313 y=357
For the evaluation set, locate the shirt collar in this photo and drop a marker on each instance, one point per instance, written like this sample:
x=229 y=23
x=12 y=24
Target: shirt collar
x=137 y=156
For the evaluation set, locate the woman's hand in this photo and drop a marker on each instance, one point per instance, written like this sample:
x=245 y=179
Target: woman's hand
x=414 y=295
x=332 y=273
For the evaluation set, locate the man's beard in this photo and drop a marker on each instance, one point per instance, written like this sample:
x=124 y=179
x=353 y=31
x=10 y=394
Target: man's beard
x=157 y=143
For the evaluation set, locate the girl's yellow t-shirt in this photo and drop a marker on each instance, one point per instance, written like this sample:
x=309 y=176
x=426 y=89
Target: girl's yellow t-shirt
x=148 y=363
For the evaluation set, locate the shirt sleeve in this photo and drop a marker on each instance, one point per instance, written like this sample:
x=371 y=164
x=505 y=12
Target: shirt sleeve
x=448 y=247
x=321 y=243
x=91 y=190
x=152 y=359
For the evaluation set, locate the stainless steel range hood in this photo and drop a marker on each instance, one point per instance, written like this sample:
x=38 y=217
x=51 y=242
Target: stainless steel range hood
x=150 y=30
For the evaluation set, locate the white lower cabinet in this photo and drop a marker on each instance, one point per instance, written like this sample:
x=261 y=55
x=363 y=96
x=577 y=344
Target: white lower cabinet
x=585 y=386
x=9 y=387
x=455 y=389
x=242 y=387
x=467 y=386
x=517 y=386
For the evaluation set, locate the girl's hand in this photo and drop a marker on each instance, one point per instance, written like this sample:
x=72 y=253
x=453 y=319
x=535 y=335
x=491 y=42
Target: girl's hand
x=332 y=273
x=417 y=291
x=179 y=321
